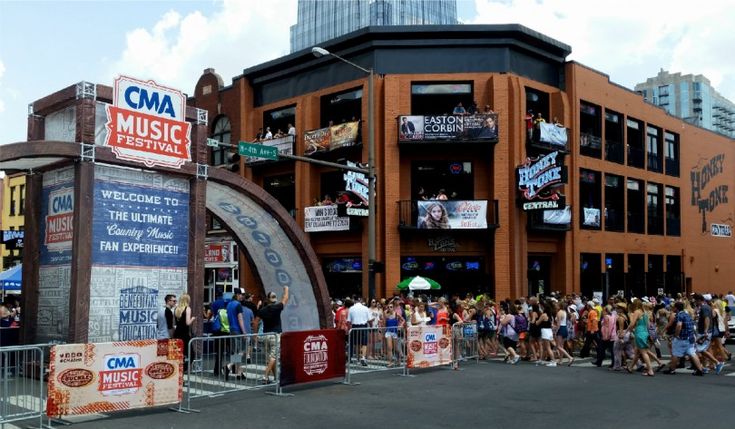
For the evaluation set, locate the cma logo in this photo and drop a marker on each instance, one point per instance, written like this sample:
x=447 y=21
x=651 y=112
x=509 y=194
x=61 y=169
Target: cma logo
x=62 y=203
x=429 y=338
x=122 y=361
x=138 y=98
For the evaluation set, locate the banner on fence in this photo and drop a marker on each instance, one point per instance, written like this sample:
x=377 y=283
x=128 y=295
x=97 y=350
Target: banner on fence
x=308 y=356
x=105 y=377
x=429 y=346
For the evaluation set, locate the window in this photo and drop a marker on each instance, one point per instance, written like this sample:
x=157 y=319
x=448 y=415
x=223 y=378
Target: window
x=614 y=203
x=590 y=127
x=671 y=153
x=454 y=177
x=440 y=98
x=655 y=275
x=635 y=284
x=12 y=201
x=673 y=274
x=655 y=209
x=590 y=274
x=283 y=188
x=614 y=150
x=537 y=102
x=341 y=107
x=635 y=203
x=222 y=132
x=279 y=119
x=673 y=211
x=635 y=143
x=590 y=197
x=663 y=91
x=654 y=149
x=22 y=200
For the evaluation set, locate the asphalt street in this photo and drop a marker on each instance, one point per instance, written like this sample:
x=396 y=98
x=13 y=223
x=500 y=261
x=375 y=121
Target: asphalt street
x=488 y=394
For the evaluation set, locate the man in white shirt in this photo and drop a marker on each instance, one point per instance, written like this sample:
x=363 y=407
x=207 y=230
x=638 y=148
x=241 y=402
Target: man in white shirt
x=291 y=130
x=730 y=299
x=358 y=318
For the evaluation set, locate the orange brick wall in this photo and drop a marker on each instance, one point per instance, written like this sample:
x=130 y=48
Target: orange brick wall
x=708 y=260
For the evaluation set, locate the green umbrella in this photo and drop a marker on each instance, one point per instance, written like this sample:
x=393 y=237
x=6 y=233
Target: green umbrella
x=418 y=283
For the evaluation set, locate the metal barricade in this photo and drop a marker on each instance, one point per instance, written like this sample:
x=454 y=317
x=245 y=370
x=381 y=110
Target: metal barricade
x=23 y=384
x=375 y=349
x=222 y=364
x=465 y=343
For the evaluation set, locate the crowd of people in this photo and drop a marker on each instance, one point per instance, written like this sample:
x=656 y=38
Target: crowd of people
x=555 y=330
x=10 y=312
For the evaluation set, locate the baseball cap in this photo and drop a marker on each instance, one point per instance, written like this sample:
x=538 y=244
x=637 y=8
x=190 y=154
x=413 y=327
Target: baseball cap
x=707 y=297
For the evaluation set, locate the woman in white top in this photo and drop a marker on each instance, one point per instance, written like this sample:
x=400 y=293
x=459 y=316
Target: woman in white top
x=560 y=324
x=420 y=317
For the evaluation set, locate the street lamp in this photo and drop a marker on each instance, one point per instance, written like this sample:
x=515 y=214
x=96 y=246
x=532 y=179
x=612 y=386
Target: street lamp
x=320 y=52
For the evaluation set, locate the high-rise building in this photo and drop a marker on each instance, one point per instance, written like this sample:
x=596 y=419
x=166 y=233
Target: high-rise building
x=692 y=98
x=321 y=20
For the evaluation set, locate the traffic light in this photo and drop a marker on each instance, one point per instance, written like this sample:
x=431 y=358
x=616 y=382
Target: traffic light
x=232 y=161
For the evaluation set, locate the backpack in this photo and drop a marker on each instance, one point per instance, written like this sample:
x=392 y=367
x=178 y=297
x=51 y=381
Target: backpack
x=220 y=322
x=521 y=323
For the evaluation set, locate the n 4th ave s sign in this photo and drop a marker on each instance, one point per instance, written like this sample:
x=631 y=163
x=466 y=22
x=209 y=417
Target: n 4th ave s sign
x=257 y=151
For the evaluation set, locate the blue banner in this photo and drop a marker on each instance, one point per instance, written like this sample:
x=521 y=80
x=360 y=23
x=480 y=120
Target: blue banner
x=57 y=215
x=139 y=226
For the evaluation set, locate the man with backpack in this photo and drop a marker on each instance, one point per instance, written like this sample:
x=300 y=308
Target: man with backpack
x=220 y=327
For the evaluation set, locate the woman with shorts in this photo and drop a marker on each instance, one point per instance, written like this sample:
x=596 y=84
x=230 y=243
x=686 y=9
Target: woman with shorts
x=562 y=333
x=534 y=332
x=547 y=335
x=393 y=321
x=510 y=336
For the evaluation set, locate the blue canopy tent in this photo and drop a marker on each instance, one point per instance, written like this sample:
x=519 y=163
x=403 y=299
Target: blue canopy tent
x=10 y=279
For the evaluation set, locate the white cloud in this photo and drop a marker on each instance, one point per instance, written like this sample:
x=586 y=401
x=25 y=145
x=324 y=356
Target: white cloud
x=2 y=72
x=176 y=50
x=630 y=40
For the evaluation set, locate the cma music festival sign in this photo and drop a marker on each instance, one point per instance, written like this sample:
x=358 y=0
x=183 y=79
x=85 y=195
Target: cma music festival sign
x=146 y=123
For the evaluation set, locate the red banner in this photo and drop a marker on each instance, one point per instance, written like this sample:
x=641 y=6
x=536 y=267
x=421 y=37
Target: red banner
x=308 y=356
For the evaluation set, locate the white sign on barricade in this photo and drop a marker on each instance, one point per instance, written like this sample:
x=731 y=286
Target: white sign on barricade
x=428 y=346
x=105 y=377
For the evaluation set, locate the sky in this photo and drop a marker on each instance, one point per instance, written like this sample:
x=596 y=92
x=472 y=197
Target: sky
x=48 y=45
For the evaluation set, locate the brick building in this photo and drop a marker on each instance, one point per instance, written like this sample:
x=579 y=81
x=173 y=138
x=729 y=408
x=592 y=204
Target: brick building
x=642 y=200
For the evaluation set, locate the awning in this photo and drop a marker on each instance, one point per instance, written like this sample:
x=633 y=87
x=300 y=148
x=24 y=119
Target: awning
x=11 y=279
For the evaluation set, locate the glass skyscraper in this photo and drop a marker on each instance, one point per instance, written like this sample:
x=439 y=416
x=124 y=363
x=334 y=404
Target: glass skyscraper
x=320 y=20
x=692 y=98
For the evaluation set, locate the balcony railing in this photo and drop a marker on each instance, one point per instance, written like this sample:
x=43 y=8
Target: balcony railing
x=550 y=137
x=654 y=163
x=448 y=214
x=590 y=145
x=614 y=151
x=285 y=146
x=331 y=138
x=477 y=128
x=550 y=220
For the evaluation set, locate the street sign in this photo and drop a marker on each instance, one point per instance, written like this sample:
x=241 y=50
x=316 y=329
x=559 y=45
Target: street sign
x=212 y=142
x=258 y=150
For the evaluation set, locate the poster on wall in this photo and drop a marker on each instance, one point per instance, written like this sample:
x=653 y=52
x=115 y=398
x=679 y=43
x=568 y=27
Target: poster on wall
x=139 y=250
x=481 y=126
x=107 y=377
x=55 y=255
x=330 y=138
x=452 y=214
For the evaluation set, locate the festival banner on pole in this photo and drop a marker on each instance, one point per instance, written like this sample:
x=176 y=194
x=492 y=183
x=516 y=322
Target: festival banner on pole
x=429 y=346
x=106 y=377
x=308 y=356
x=454 y=214
x=324 y=218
